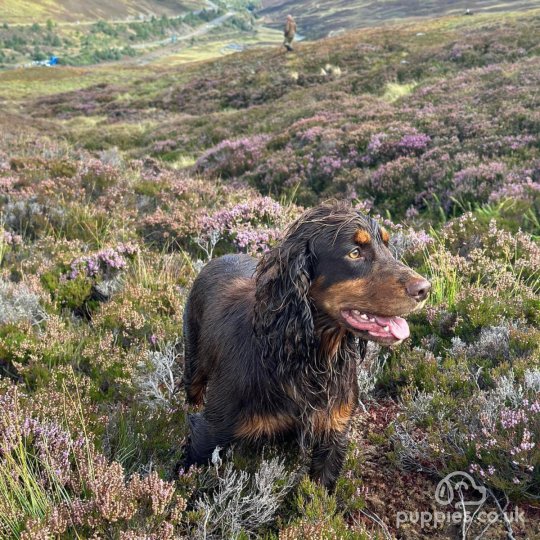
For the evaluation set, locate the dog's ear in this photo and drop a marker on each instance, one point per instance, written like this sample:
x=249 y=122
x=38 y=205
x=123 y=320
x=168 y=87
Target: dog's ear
x=283 y=312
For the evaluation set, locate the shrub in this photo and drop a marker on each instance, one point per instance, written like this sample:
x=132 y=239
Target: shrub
x=104 y=264
x=231 y=158
x=160 y=376
x=241 y=503
x=497 y=439
x=96 y=177
x=54 y=483
x=18 y=303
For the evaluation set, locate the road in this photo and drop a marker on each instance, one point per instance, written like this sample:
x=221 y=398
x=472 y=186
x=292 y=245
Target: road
x=199 y=31
x=169 y=46
x=153 y=55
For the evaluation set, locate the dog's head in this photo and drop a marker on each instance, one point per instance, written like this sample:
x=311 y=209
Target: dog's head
x=334 y=262
x=358 y=283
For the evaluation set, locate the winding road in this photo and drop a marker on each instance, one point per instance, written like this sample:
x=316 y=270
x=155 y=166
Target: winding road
x=199 y=31
x=168 y=44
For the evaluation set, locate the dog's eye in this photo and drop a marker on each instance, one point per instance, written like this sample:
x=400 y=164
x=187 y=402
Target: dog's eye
x=355 y=254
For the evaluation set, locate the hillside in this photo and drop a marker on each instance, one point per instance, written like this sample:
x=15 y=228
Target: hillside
x=75 y=11
x=102 y=41
x=320 y=18
x=119 y=181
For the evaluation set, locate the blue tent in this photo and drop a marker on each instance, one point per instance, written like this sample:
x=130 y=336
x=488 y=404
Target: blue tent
x=53 y=61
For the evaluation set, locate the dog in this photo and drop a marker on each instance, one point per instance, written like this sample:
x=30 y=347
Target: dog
x=271 y=348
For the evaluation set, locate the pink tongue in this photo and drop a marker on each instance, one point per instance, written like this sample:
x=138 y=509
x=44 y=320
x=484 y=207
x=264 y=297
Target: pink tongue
x=398 y=326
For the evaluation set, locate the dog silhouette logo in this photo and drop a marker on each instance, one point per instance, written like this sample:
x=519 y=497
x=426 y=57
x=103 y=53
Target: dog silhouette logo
x=460 y=484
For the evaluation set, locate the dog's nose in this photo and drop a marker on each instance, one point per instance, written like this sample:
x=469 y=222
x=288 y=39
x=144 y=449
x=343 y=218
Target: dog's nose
x=419 y=289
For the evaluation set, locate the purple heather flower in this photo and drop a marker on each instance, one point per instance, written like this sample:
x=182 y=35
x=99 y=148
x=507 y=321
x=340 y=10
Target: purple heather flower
x=414 y=142
x=105 y=260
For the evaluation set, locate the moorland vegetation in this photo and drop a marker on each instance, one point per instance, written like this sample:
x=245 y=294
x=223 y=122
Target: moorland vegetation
x=116 y=187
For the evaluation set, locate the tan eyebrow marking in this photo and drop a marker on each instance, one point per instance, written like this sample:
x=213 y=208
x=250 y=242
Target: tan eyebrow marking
x=362 y=237
x=384 y=235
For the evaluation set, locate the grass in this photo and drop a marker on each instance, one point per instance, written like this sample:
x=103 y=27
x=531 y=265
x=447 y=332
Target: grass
x=216 y=48
x=24 y=475
x=183 y=161
x=35 y=82
x=30 y=83
x=22 y=491
x=395 y=91
x=443 y=274
x=29 y=11
x=3 y=244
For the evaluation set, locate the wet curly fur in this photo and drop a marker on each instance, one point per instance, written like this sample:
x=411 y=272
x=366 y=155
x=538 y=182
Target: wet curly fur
x=265 y=349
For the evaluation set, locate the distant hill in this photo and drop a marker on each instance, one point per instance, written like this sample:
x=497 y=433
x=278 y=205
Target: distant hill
x=30 y=11
x=320 y=18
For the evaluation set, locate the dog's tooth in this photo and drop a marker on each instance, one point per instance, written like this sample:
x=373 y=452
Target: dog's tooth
x=355 y=312
x=386 y=328
x=371 y=320
x=364 y=316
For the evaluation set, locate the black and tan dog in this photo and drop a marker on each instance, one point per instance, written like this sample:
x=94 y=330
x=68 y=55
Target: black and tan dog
x=271 y=348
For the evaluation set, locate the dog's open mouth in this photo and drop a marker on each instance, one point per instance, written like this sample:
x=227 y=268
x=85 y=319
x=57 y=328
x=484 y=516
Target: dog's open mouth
x=385 y=329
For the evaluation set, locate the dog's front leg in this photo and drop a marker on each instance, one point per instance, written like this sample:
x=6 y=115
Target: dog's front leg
x=203 y=440
x=327 y=458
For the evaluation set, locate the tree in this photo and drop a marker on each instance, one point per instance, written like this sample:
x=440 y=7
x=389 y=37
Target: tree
x=38 y=55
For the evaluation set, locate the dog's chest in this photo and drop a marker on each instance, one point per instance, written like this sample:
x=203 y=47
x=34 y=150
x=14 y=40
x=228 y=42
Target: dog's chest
x=293 y=411
x=327 y=411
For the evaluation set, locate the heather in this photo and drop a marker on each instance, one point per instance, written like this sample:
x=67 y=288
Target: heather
x=113 y=194
x=444 y=118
